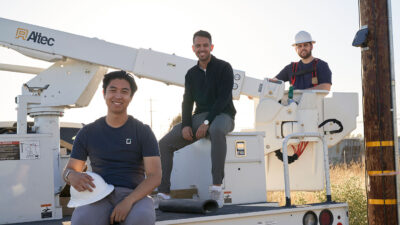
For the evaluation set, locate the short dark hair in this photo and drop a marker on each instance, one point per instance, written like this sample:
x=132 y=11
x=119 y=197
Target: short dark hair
x=123 y=75
x=202 y=33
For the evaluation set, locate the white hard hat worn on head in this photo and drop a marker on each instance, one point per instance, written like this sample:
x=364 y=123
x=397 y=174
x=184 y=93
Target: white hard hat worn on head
x=302 y=37
x=86 y=197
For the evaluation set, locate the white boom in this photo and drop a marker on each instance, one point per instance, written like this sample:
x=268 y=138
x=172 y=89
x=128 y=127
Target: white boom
x=30 y=160
x=51 y=45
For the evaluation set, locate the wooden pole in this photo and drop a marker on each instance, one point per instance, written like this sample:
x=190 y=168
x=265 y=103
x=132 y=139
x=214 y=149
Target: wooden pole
x=378 y=114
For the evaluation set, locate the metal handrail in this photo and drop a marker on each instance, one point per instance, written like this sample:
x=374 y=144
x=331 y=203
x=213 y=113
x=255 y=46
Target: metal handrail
x=286 y=164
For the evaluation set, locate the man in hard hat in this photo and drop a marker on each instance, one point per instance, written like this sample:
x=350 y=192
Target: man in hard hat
x=209 y=85
x=309 y=72
x=124 y=152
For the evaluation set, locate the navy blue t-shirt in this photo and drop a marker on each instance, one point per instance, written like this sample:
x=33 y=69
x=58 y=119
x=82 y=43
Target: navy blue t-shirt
x=324 y=74
x=116 y=154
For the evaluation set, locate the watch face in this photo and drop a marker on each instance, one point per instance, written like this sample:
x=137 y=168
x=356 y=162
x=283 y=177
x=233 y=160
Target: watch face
x=206 y=122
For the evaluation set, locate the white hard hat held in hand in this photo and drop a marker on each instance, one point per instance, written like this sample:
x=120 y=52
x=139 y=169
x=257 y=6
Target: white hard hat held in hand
x=86 y=197
x=302 y=37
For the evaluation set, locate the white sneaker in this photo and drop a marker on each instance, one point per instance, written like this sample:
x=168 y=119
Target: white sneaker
x=217 y=194
x=160 y=197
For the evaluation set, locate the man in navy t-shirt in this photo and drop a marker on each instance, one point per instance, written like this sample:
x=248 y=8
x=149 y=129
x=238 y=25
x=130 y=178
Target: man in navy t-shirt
x=124 y=152
x=309 y=72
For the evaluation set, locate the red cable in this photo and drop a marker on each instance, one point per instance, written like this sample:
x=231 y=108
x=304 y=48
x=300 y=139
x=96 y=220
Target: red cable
x=300 y=148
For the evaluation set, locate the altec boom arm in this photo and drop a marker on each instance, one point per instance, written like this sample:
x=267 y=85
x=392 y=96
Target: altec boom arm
x=52 y=45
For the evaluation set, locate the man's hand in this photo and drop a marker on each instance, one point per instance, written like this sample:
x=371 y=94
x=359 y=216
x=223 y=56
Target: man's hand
x=202 y=131
x=187 y=133
x=120 y=211
x=323 y=86
x=81 y=181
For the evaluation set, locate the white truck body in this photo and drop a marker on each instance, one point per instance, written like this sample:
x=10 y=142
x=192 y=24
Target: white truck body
x=30 y=163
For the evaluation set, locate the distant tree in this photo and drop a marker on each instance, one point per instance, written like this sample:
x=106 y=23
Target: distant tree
x=177 y=119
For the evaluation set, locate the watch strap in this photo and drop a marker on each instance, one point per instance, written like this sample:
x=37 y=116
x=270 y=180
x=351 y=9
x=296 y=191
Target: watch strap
x=67 y=172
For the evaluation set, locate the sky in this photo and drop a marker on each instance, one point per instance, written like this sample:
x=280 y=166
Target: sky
x=254 y=36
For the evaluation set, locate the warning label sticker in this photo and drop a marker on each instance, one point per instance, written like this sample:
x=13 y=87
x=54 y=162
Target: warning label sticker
x=46 y=211
x=9 y=150
x=227 y=197
x=30 y=150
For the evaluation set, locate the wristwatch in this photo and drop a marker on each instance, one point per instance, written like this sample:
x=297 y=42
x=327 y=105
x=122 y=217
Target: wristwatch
x=66 y=175
x=206 y=122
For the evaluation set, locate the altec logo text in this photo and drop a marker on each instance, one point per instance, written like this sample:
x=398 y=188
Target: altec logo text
x=34 y=36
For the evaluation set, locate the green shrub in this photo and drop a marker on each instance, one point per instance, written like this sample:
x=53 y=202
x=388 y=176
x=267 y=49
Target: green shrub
x=351 y=191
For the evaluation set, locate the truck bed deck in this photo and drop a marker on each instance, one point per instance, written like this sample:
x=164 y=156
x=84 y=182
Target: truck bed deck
x=227 y=210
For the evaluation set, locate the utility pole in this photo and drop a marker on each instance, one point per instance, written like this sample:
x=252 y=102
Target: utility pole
x=379 y=111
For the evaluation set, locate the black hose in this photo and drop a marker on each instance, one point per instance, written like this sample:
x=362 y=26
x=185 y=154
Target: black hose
x=333 y=121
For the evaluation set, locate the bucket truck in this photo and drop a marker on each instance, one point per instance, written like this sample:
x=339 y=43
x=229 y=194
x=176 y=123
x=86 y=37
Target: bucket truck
x=30 y=163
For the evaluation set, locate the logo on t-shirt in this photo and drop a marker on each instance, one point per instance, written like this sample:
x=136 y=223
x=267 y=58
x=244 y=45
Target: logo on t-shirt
x=128 y=141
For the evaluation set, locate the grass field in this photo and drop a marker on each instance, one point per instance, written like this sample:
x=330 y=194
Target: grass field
x=348 y=185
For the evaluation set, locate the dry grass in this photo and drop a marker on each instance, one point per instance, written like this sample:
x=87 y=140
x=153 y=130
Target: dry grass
x=348 y=185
